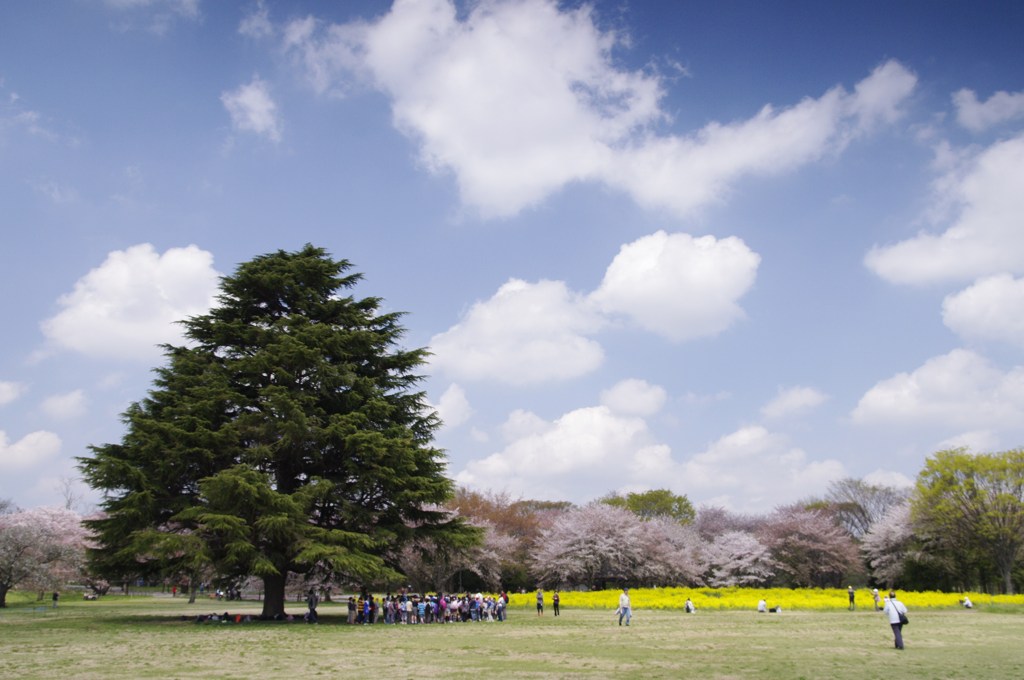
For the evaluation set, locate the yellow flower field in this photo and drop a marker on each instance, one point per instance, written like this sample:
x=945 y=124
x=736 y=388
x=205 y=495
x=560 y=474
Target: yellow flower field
x=747 y=598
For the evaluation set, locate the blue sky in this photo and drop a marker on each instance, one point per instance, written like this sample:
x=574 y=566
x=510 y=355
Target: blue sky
x=734 y=249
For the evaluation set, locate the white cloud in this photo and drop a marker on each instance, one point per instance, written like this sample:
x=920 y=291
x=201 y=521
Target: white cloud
x=256 y=24
x=130 y=304
x=878 y=98
x=958 y=389
x=9 y=391
x=634 y=397
x=674 y=285
x=679 y=286
x=985 y=237
x=526 y=333
x=793 y=401
x=978 y=116
x=31 y=450
x=683 y=173
x=975 y=440
x=453 y=406
x=64 y=406
x=889 y=478
x=253 y=110
x=991 y=309
x=519 y=98
x=592 y=444
x=155 y=16
x=594 y=450
x=753 y=469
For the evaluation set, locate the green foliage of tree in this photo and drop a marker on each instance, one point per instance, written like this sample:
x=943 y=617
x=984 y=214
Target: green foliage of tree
x=654 y=503
x=287 y=436
x=973 y=504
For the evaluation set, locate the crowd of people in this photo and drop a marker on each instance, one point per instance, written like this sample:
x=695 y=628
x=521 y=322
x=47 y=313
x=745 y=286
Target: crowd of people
x=413 y=608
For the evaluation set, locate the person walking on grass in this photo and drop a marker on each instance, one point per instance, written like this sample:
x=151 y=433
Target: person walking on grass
x=625 y=608
x=896 y=612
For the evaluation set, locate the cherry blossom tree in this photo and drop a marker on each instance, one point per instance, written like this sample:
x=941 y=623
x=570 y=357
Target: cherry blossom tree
x=713 y=521
x=430 y=566
x=40 y=549
x=887 y=544
x=808 y=548
x=738 y=558
x=515 y=528
x=590 y=545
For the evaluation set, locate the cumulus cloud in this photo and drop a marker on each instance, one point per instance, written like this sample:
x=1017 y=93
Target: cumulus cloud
x=9 y=391
x=634 y=397
x=130 y=304
x=674 y=285
x=985 y=237
x=545 y=458
x=453 y=407
x=518 y=98
x=65 y=406
x=526 y=333
x=31 y=450
x=595 y=449
x=991 y=309
x=958 y=389
x=979 y=116
x=679 y=286
x=252 y=109
x=753 y=469
x=793 y=401
x=975 y=440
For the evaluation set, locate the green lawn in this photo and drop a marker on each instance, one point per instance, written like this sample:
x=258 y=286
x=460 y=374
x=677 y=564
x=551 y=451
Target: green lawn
x=145 y=637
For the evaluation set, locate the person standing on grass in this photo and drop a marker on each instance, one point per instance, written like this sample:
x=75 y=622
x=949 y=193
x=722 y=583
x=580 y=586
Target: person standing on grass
x=896 y=612
x=625 y=608
x=56 y=596
x=554 y=602
x=312 y=600
x=874 y=596
x=850 y=591
x=540 y=602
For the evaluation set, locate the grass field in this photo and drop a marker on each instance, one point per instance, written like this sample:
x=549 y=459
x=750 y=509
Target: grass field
x=145 y=637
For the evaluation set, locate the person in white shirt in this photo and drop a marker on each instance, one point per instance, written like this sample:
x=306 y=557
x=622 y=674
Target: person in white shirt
x=893 y=609
x=762 y=607
x=625 y=610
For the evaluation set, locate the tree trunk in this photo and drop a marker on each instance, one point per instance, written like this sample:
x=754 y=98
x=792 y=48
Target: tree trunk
x=3 y=596
x=193 y=587
x=273 y=596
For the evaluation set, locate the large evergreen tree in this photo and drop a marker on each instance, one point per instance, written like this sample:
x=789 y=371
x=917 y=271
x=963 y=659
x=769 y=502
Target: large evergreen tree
x=287 y=436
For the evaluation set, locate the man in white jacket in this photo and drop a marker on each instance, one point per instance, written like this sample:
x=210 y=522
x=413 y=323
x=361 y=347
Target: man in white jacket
x=893 y=608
